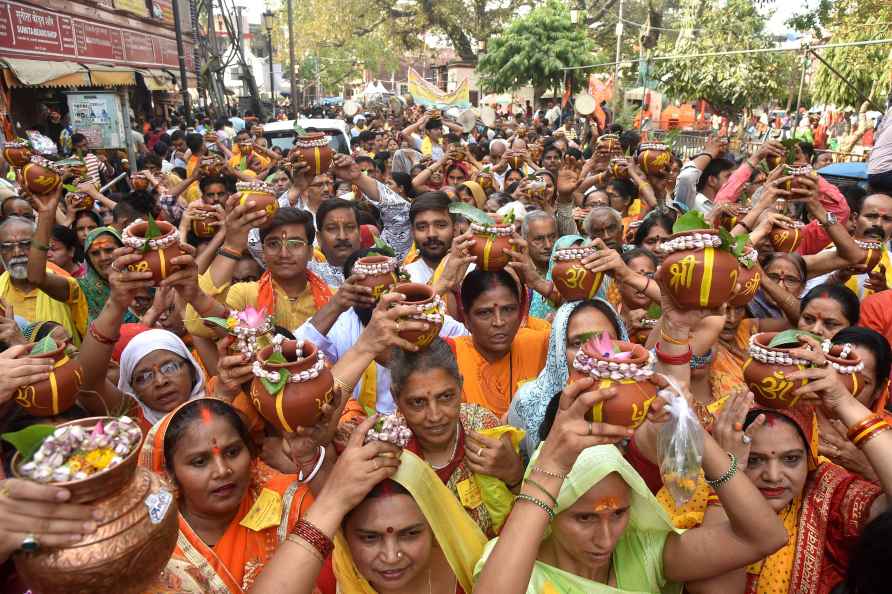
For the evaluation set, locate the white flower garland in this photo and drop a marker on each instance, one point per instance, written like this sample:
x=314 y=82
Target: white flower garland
x=375 y=268
x=255 y=186
x=868 y=245
x=691 y=241
x=434 y=317
x=500 y=230
x=652 y=146
x=294 y=378
x=304 y=142
x=158 y=243
x=847 y=350
x=574 y=253
x=613 y=370
x=749 y=258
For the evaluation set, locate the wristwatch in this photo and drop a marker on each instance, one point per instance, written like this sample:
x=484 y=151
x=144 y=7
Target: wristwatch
x=829 y=220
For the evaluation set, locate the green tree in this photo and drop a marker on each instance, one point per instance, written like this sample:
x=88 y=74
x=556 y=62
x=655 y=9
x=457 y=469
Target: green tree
x=533 y=49
x=865 y=67
x=728 y=82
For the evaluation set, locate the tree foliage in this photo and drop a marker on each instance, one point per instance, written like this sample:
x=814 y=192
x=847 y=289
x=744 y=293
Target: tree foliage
x=728 y=82
x=865 y=67
x=533 y=49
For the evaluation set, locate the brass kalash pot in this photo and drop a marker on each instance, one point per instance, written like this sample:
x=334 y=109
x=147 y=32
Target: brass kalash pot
x=135 y=538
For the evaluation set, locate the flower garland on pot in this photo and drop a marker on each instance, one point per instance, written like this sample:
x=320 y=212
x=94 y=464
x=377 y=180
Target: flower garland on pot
x=249 y=326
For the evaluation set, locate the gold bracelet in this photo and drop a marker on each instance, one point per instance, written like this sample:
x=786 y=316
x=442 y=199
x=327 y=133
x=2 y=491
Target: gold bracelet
x=305 y=546
x=675 y=341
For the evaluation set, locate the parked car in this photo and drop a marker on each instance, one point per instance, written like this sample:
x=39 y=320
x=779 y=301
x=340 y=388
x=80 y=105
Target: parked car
x=282 y=134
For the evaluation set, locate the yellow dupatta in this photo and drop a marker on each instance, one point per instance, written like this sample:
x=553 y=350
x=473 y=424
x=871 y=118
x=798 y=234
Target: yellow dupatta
x=457 y=535
x=856 y=282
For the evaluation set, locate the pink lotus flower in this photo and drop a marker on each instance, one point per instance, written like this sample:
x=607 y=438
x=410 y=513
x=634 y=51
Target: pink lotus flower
x=606 y=349
x=252 y=318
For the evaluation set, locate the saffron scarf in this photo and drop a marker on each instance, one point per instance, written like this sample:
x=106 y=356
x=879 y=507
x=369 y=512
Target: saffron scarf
x=235 y=561
x=638 y=557
x=456 y=533
x=266 y=292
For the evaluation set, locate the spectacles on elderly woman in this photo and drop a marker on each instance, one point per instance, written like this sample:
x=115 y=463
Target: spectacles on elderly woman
x=147 y=377
x=789 y=281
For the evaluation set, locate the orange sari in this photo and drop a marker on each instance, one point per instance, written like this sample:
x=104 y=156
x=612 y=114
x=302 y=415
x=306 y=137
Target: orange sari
x=493 y=384
x=235 y=561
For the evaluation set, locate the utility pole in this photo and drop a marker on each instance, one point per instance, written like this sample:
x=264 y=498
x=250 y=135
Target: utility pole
x=181 y=56
x=291 y=61
x=241 y=47
x=619 y=50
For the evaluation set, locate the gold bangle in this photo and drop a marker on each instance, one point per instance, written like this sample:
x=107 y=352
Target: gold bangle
x=343 y=386
x=675 y=341
x=305 y=546
x=872 y=434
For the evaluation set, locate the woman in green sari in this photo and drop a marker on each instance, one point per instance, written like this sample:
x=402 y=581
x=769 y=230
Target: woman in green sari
x=586 y=523
x=99 y=251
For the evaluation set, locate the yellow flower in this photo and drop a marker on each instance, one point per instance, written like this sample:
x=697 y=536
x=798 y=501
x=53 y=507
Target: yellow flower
x=101 y=458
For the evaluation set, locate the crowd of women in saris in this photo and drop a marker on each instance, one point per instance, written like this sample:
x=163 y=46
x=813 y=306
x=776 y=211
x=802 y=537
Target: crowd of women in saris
x=506 y=484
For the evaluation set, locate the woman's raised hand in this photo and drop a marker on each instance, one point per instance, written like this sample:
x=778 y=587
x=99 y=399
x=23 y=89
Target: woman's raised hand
x=728 y=428
x=571 y=432
x=824 y=386
x=127 y=284
x=360 y=467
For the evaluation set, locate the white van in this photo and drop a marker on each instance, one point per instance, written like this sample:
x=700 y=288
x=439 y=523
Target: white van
x=282 y=134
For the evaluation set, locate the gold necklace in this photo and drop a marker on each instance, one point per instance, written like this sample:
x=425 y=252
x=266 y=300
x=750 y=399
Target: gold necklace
x=451 y=456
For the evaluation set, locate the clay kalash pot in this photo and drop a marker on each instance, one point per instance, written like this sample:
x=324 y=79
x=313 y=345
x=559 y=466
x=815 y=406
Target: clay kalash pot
x=74 y=167
x=486 y=182
x=314 y=149
x=609 y=145
x=874 y=251
x=515 y=162
x=291 y=394
x=79 y=200
x=380 y=274
x=211 y=138
x=750 y=279
x=157 y=252
x=798 y=171
x=138 y=181
x=246 y=148
x=211 y=165
x=570 y=277
x=535 y=151
x=654 y=158
x=784 y=239
x=629 y=371
x=139 y=529
x=429 y=308
x=767 y=368
x=40 y=176
x=204 y=215
x=490 y=243
x=57 y=393
x=619 y=168
x=263 y=195
x=696 y=272
x=256 y=131
x=18 y=152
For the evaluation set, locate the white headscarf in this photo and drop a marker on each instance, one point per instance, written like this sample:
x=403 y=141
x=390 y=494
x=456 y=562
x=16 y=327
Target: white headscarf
x=147 y=342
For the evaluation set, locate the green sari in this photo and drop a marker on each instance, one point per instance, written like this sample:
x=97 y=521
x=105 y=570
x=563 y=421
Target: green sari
x=638 y=557
x=94 y=286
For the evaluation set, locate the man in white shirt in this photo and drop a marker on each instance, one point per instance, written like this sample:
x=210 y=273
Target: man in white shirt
x=337 y=326
x=432 y=230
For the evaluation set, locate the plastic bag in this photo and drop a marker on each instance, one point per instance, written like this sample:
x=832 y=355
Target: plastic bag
x=680 y=446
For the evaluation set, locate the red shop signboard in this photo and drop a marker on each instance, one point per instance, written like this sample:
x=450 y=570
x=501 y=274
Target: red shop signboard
x=41 y=34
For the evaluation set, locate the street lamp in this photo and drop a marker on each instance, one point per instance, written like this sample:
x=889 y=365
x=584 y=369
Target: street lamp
x=268 y=21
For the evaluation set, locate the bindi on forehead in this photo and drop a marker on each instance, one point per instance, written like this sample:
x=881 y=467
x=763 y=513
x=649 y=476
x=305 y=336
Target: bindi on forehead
x=607 y=504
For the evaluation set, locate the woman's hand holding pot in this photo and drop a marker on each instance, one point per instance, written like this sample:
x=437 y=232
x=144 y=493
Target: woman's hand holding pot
x=571 y=433
x=126 y=284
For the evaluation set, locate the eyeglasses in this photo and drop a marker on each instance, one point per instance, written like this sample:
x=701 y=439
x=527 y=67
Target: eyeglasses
x=290 y=245
x=789 y=281
x=146 y=378
x=10 y=246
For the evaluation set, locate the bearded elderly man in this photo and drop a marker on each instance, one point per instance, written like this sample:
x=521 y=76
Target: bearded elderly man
x=62 y=301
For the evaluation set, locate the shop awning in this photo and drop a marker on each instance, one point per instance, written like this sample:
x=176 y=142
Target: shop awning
x=38 y=73
x=158 y=80
x=112 y=76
